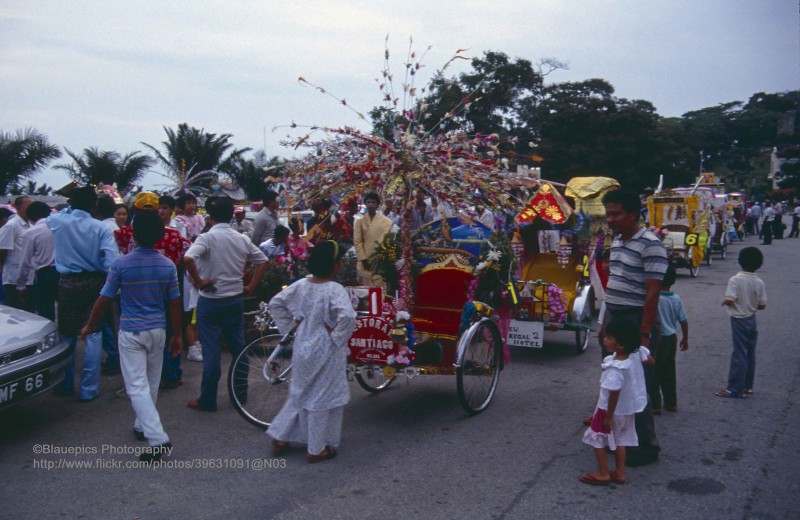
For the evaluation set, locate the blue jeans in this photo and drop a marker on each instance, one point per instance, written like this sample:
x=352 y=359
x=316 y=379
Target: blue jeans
x=90 y=370
x=216 y=317
x=743 y=358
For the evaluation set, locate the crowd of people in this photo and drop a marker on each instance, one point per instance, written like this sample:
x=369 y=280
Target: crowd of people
x=145 y=281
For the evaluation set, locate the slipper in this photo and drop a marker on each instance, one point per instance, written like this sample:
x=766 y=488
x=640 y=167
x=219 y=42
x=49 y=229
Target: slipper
x=587 y=421
x=588 y=478
x=327 y=454
x=617 y=480
x=672 y=409
x=729 y=395
x=279 y=447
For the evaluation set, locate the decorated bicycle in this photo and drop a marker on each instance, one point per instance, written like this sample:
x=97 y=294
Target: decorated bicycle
x=446 y=289
x=558 y=259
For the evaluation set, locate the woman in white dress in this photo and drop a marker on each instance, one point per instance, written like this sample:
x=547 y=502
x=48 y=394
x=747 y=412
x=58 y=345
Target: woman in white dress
x=318 y=390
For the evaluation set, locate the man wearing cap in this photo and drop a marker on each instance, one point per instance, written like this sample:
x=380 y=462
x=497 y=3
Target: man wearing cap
x=173 y=246
x=241 y=224
x=84 y=249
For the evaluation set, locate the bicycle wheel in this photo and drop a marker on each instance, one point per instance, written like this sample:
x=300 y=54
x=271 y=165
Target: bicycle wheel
x=479 y=371
x=257 y=385
x=371 y=378
x=584 y=333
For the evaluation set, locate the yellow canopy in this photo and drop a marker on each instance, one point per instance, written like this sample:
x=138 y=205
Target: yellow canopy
x=588 y=193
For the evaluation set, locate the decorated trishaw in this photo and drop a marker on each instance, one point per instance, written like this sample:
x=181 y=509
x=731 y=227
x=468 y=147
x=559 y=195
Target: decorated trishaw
x=445 y=293
x=558 y=254
x=681 y=220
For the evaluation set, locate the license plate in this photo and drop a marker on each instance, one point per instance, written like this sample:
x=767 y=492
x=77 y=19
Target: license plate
x=526 y=334
x=23 y=387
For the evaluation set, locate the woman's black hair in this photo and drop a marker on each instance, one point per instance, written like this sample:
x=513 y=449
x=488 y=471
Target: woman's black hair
x=323 y=258
x=625 y=332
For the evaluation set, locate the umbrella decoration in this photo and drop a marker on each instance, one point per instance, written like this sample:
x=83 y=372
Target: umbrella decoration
x=548 y=204
x=409 y=158
x=186 y=181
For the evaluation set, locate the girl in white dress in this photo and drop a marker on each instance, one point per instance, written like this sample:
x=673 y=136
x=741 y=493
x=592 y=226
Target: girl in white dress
x=612 y=425
x=318 y=390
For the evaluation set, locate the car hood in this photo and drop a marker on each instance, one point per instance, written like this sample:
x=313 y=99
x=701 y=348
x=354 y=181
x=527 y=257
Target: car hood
x=19 y=328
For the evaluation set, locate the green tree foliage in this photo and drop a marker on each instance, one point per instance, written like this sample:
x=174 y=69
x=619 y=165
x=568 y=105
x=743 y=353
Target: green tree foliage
x=582 y=128
x=249 y=174
x=189 y=148
x=22 y=154
x=94 y=166
x=31 y=188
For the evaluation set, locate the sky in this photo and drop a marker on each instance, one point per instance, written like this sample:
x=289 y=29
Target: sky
x=112 y=74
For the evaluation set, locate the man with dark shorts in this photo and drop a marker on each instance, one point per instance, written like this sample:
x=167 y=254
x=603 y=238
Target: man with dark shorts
x=84 y=249
x=638 y=262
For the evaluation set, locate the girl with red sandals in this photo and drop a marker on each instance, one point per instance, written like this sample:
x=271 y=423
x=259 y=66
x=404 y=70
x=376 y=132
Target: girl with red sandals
x=612 y=425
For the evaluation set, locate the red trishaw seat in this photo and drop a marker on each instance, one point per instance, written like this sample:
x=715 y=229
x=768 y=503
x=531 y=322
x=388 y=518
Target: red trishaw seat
x=441 y=292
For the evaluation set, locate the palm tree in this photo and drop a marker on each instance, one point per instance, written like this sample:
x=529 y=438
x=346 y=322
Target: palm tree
x=31 y=188
x=193 y=153
x=95 y=166
x=22 y=154
x=249 y=174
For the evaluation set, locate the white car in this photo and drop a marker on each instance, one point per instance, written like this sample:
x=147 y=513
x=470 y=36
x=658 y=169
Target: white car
x=33 y=356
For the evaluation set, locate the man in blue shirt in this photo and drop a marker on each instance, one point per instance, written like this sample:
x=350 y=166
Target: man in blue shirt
x=84 y=250
x=146 y=281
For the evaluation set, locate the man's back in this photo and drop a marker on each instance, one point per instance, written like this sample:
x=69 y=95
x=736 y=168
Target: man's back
x=146 y=280
x=221 y=255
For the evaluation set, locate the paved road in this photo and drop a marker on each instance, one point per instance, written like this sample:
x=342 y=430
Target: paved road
x=411 y=452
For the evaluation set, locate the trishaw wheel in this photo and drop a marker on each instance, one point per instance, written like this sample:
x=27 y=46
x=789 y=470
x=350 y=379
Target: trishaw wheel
x=583 y=334
x=582 y=340
x=372 y=379
x=479 y=371
x=257 y=386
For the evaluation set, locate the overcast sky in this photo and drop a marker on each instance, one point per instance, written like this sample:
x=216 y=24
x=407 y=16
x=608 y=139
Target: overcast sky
x=111 y=74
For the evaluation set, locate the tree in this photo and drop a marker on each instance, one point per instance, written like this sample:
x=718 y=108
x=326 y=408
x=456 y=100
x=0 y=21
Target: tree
x=31 y=188
x=95 y=166
x=22 y=154
x=249 y=174
x=191 y=151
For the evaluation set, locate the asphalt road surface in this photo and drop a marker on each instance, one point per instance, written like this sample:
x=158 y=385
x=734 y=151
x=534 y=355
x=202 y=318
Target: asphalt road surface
x=411 y=452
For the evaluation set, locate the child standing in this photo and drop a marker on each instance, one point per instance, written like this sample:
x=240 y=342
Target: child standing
x=744 y=295
x=670 y=313
x=321 y=310
x=148 y=287
x=621 y=393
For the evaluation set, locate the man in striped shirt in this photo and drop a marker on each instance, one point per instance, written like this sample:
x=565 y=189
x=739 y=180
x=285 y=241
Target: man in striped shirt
x=638 y=263
x=148 y=284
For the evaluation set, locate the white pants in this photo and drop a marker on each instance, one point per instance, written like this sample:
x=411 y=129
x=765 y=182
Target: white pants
x=141 y=355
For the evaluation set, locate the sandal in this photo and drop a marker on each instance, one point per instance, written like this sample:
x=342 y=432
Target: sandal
x=588 y=478
x=672 y=409
x=327 y=454
x=730 y=395
x=617 y=480
x=279 y=447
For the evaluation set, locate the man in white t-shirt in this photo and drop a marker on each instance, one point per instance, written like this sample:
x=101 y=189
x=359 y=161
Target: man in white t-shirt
x=11 y=252
x=216 y=263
